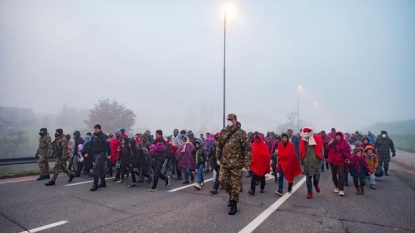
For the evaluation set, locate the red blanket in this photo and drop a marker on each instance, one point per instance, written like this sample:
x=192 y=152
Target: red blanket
x=288 y=161
x=260 y=163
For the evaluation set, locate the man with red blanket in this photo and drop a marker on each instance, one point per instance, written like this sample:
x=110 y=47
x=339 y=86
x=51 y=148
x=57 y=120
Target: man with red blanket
x=288 y=166
x=311 y=151
x=260 y=163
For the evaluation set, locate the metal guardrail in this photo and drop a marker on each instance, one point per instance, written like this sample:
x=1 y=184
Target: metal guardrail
x=20 y=160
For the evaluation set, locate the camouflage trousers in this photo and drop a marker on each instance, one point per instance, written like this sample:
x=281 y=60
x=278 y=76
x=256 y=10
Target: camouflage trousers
x=59 y=165
x=230 y=179
x=43 y=165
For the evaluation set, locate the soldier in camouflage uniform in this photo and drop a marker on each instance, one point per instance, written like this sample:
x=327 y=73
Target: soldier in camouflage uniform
x=62 y=152
x=384 y=145
x=234 y=153
x=43 y=152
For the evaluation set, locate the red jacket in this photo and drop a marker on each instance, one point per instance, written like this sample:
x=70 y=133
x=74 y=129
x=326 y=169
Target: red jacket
x=115 y=150
x=288 y=161
x=260 y=163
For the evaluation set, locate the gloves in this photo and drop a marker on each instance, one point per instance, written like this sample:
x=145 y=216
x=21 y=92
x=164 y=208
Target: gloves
x=393 y=154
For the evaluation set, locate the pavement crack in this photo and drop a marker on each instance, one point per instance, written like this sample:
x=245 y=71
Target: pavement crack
x=15 y=222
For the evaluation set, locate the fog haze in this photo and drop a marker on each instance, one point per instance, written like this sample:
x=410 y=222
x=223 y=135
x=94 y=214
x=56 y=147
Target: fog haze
x=164 y=60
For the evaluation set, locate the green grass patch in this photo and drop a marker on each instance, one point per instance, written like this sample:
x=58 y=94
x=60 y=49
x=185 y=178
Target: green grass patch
x=18 y=173
x=404 y=142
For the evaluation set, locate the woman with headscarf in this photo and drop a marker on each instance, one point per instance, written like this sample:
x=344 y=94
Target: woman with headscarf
x=339 y=155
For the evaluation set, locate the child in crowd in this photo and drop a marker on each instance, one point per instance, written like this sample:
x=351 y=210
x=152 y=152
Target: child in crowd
x=359 y=170
x=373 y=163
x=199 y=155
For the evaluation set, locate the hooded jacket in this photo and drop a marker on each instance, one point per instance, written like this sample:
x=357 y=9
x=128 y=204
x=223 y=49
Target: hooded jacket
x=199 y=154
x=184 y=156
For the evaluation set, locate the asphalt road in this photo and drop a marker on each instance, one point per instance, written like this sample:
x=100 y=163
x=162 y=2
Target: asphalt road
x=27 y=204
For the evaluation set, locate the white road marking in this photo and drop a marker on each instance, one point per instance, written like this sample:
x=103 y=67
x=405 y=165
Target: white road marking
x=45 y=227
x=186 y=186
x=264 y=215
x=85 y=182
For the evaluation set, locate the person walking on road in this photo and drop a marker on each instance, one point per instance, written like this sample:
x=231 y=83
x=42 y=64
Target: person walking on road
x=359 y=170
x=312 y=152
x=43 y=153
x=288 y=166
x=234 y=153
x=158 y=152
x=62 y=152
x=384 y=146
x=339 y=155
x=373 y=162
x=215 y=165
x=260 y=164
x=185 y=160
x=100 y=149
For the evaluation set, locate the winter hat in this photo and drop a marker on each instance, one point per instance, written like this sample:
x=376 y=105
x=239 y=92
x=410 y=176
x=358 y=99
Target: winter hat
x=357 y=149
x=232 y=116
x=159 y=132
x=117 y=132
x=68 y=136
x=122 y=130
x=59 y=131
x=97 y=126
x=43 y=130
x=369 y=147
x=284 y=135
x=217 y=135
x=77 y=134
x=383 y=132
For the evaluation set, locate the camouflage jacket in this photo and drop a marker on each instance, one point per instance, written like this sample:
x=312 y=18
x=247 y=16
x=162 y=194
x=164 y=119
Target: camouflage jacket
x=236 y=151
x=61 y=148
x=45 y=146
x=384 y=146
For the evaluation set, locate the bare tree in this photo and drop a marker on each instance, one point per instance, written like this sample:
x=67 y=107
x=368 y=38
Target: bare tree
x=111 y=116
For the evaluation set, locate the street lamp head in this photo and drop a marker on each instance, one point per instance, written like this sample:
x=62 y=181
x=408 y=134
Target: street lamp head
x=229 y=11
x=315 y=104
x=300 y=87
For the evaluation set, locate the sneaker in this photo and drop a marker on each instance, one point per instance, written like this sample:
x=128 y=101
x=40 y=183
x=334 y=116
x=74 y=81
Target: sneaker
x=197 y=186
x=336 y=190
x=179 y=178
x=262 y=191
x=185 y=182
x=153 y=190
x=214 y=191
x=317 y=189
x=341 y=193
x=373 y=187
x=115 y=180
x=131 y=185
x=279 y=192
x=201 y=184
x=309 y=195
x=251 y=192
x=167 y=180
x=120 y=181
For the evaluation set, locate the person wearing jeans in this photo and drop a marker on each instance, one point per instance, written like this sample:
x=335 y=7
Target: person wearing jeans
x=311 y=152
x=373 y=162
x=199 y=154
x=339 y=155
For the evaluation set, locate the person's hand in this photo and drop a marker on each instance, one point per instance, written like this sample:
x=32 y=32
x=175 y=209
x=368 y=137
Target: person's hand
x=331 y=141
x=86 y=155
x=109 y=157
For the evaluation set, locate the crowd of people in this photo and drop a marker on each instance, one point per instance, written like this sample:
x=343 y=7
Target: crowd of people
x=180 y=156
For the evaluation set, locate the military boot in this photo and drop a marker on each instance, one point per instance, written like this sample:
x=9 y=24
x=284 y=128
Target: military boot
x=233 y=209
x=50 y=183
x=386 y=172
x=95 y=185
x=102 y=183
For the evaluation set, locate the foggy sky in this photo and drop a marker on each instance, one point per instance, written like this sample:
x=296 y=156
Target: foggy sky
x=164 y=60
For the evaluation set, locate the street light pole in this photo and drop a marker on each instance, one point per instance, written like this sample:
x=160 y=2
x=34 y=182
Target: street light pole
x=224 y=66
x=298 y=108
